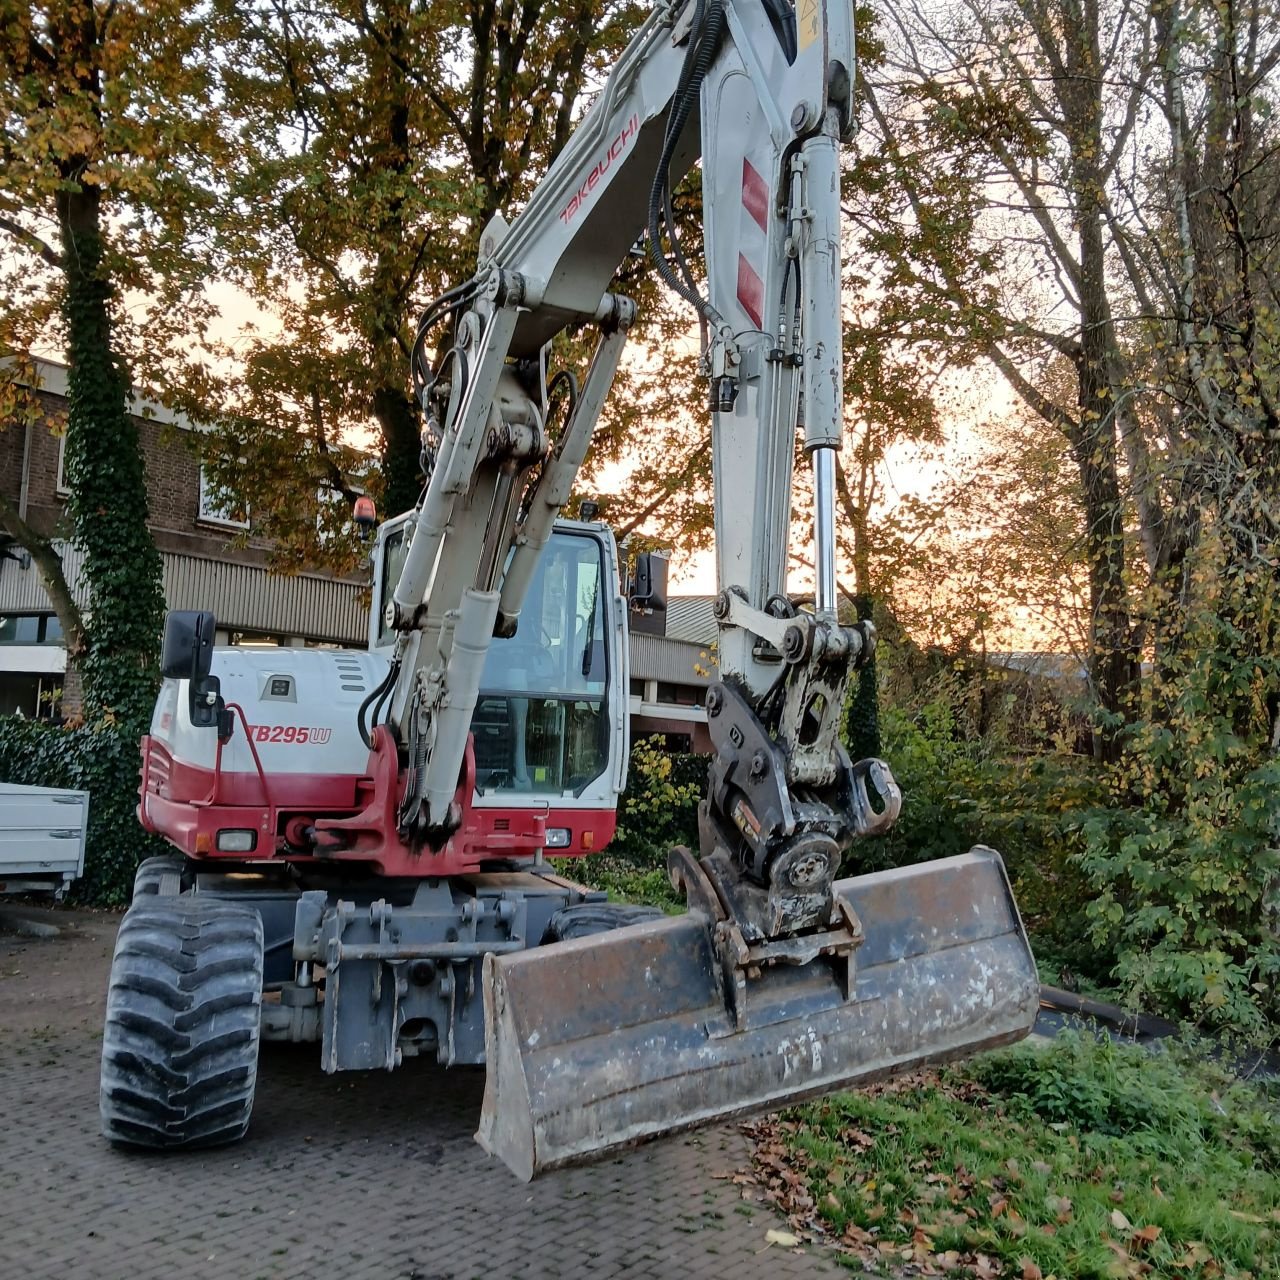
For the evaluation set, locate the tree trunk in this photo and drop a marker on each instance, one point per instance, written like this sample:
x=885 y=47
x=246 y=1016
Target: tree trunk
x=401 y=446
x=52 y=577
x=108 y=505
x=1113 y=662
x=396 y=412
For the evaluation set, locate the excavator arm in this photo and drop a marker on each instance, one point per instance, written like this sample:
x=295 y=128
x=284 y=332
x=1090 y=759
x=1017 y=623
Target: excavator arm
x=757 y=995
x=765 y=102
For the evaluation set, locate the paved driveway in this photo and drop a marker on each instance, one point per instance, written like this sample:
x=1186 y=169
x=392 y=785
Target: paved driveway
x=341 y=1176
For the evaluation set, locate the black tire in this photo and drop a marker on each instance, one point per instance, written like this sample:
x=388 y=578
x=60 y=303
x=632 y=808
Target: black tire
x=180 y=1044
x=151 y=872
x=586 y=918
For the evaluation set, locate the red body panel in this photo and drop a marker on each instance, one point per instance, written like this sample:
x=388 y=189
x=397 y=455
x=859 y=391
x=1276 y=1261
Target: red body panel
x=353 y=817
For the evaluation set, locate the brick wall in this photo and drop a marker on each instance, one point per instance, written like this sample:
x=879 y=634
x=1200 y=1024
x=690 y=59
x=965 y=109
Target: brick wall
x=173 y=484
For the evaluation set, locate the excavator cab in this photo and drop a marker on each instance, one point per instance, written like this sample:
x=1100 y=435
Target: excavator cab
x=550 y=695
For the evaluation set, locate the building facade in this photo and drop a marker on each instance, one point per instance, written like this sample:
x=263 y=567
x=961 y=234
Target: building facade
x=210 y=556
x=672 y=664
x=211 y=559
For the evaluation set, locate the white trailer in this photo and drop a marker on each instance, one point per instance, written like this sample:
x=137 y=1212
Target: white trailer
x=42 y=834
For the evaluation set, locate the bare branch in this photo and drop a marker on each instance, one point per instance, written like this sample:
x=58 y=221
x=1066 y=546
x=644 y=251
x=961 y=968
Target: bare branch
x=48 y=254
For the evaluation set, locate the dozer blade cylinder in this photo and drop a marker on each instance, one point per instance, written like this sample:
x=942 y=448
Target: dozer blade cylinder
x=602 y=1042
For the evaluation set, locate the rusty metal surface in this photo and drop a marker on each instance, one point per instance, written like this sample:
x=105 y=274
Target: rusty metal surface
x=600 y=1043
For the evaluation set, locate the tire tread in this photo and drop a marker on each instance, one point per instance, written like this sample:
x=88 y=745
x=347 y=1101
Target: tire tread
x=180 y=1043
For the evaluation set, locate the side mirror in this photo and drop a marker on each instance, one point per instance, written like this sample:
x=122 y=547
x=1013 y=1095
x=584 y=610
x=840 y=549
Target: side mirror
x=187 y=650
x=187 y=654
x=649 y=582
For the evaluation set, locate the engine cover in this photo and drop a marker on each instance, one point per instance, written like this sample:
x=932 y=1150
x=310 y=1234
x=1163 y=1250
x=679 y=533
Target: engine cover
x=297 y=706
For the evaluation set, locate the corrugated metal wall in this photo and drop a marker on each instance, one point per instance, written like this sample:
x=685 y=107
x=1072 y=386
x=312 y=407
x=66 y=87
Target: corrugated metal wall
x=244 y=597
x=655 y=658
x=691 y=618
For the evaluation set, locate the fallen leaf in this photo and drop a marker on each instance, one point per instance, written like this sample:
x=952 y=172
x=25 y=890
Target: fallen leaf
x=1240 y=1216
x=1059 y=1206
x=1196 y=1256
x=1148 y=1234
x=1030 y=1270
x=1119 y=1221
x=784 y=1238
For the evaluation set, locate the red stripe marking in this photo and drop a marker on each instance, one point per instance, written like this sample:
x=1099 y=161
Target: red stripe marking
x=755 y=195
x=751 y=292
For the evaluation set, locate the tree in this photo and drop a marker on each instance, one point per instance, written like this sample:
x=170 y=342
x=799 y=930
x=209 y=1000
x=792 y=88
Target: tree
x=1034 y=98
x=378 y=141
x=101 y=105
x=1130 y=173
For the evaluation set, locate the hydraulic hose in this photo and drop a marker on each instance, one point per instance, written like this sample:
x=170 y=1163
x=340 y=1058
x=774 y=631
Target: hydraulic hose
x=704 y=39
x=375 y=699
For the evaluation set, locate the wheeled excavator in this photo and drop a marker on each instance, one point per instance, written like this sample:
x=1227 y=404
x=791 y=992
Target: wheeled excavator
x=361 y=837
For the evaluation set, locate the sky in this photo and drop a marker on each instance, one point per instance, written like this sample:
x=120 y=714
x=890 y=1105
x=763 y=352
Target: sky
x=908 y=471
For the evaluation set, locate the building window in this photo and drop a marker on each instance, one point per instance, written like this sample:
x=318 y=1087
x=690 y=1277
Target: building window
x=637 y=688
x=679 y=695
x=255 y=640
x=218 y=507
x=63 y=488
x=30 y=628
x=38 y=697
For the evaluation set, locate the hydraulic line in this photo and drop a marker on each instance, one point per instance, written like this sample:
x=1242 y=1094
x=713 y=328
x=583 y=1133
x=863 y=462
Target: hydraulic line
x=376 y=698
x=709 y=25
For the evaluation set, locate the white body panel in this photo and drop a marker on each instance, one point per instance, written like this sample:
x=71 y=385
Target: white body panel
x=318 y=692
x=300 y=706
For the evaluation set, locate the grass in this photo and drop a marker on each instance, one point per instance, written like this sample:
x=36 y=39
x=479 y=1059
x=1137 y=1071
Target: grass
x=626 y=878
x=1079 y=1159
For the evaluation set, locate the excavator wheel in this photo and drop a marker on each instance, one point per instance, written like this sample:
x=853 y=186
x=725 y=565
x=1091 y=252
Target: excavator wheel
x=149 y=879
x=588 y=918
x=180 y=1044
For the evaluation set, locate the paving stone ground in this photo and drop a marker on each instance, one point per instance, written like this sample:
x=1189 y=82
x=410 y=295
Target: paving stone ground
x=374 y=1175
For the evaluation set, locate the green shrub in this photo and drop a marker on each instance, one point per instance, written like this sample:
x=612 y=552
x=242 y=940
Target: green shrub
x=961 y=790
x=104 y=761
x=659 y=808
x=1184 y=857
